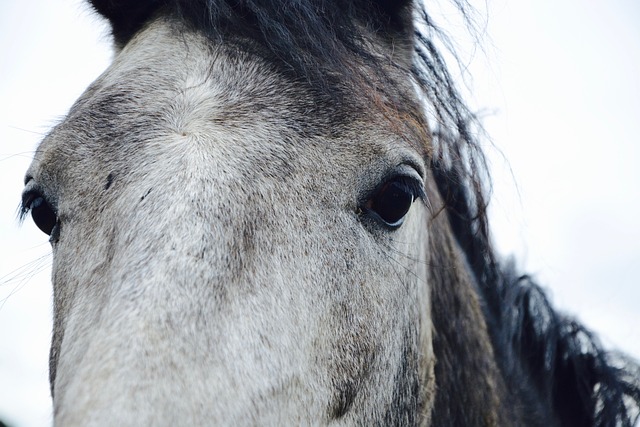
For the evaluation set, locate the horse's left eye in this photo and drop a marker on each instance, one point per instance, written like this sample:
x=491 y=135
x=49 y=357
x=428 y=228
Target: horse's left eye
x=43 y=214
x=393 y=199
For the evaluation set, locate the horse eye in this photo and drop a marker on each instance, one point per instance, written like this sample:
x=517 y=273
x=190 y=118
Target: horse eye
x=42 y=214
x=392 y=201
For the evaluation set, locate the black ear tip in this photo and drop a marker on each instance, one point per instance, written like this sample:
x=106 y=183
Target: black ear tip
x=395 y=14
x=125 y=16
x=393 y=7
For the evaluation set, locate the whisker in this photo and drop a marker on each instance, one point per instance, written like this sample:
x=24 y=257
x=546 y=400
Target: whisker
x=21 y=276
x=413 y=260
x=42 y=134
x=23 y=154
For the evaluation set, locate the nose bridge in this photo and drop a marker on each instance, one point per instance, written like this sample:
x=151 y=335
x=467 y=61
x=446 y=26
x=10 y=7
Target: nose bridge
x=162 y=311
x=179 y=224
x=158 y=235
x=186 y=312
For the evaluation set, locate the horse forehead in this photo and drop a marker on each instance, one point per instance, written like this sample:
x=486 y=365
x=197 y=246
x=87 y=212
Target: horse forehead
x=169 y=97
x=185 y=84
x=169 y=85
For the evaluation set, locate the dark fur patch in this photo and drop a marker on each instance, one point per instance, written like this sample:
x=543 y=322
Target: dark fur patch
x=126 y=17
x=346 y=393
x=144 y=196
x=54 y=353
x=407 y=404
x=110 y=178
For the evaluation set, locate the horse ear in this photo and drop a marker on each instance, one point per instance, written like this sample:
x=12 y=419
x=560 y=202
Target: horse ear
x=395 y=22
x=393 y=7
x=397 y=13
x=125 y=16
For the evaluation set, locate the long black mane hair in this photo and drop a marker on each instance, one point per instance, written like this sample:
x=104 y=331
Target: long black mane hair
x=316 y=41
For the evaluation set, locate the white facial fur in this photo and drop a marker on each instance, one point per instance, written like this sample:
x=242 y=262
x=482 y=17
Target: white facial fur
x=214 y=266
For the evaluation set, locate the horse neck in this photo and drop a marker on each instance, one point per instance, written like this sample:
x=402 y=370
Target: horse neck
x=470 y=389
x=477 y=382
x=466 y=374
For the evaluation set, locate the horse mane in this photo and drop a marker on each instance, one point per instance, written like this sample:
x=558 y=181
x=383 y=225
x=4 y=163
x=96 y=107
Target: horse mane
x=316 y=41
x=573 y=375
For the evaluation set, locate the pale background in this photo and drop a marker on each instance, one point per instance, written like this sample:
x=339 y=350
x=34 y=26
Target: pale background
x=560 y=81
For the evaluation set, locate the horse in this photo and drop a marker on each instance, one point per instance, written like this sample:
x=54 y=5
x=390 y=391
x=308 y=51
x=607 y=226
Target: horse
x=273 y=212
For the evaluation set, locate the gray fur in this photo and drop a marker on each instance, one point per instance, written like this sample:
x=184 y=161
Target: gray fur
x=213 y=266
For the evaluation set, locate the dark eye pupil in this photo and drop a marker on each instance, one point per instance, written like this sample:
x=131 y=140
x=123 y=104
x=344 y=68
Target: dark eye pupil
x=43 y=215
x=392 y=202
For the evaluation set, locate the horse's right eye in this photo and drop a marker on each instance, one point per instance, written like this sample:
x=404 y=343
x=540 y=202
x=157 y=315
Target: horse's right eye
x=392 y=201
x=42 y=213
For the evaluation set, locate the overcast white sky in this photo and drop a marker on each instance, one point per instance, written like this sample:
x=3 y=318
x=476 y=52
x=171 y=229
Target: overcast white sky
x=561 y=78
